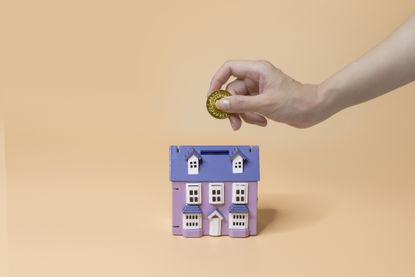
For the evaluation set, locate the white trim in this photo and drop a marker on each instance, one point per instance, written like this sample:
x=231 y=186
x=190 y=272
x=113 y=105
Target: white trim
x=216 y=191
x=237 y=164
x=193 y=193
x=238 y=221
x=215 y=212
x=239 y=193
x=193 y=165
x=192 y=221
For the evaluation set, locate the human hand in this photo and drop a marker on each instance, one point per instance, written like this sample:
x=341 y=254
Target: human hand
x=262 y=91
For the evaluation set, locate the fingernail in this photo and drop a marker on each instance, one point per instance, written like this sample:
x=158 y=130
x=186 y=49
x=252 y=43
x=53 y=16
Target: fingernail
x=234 y=122
x=223 y=104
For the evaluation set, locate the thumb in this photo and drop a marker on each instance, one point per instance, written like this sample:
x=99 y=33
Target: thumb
x=241 y=103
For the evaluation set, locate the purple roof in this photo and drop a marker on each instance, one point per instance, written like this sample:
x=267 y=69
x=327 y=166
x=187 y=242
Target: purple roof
x=215 y=165
x=191 y=209
x=235 y=208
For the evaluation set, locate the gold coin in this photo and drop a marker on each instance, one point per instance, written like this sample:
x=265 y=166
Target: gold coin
x=211 y=104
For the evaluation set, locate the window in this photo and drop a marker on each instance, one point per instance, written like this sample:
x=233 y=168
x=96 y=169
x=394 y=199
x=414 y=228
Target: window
x=238 y=221
x=237 y=165
x=216 y=193
x=193 y=194
x=240 y=193
x=193 y=165
x=192 y=221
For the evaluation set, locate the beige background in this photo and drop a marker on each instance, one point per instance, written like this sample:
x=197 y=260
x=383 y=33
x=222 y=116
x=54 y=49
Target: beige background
x=95 y=91
x=4 y=262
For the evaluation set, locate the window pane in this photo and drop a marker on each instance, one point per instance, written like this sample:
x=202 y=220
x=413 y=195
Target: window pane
x=191 y=192
x=237 y=198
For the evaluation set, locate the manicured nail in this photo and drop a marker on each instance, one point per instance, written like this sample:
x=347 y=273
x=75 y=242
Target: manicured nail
x=223 y=104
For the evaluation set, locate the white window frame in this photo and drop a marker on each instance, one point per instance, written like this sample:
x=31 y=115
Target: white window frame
x=239 y=197
x=193 y=190
x=237 y=164
x=193 y=165
x=192 y=221
x=238 y=221
x=214 y=188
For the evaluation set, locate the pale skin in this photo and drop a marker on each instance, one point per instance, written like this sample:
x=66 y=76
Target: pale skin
x=261 y=91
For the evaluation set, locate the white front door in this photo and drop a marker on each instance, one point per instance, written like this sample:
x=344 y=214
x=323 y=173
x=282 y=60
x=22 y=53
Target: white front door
x=215 y=226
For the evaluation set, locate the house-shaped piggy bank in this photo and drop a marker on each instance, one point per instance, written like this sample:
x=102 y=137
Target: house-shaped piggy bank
x=214 y=190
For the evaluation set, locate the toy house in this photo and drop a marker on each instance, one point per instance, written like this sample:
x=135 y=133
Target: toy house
x=214 y=190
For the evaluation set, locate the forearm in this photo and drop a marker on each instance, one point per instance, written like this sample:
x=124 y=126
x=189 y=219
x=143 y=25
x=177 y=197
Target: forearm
x=384 y=68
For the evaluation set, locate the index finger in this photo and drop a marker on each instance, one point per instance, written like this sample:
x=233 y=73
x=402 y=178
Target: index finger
x=236 y=68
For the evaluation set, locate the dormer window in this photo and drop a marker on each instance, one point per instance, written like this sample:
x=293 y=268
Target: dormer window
x=238 y=159
x=193 y=162
x=237 y=164
x=193 y=165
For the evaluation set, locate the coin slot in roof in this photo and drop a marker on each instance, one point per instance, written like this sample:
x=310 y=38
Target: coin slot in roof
x=214 y=152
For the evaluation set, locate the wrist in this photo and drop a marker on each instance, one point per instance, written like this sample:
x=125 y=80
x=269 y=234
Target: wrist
x=328 y=100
